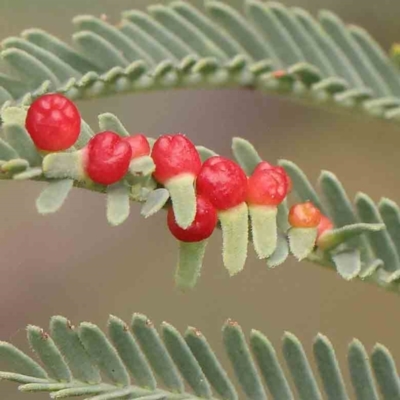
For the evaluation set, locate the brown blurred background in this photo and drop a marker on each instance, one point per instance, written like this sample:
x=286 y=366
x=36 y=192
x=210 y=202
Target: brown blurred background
x=74 y=264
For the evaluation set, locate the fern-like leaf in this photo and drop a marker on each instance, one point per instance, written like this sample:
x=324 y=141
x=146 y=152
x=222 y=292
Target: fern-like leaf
x=357 y=247
x=269 y=47
x=137 y=362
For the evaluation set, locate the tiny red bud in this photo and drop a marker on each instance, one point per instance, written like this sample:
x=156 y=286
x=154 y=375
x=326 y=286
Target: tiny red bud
x=268 y=185
x=174 y=155
x=304 y=215
x=223 y=182
x=53 y=122
x=139 y=144
x=264 y=165
x=280 y=73
x=324 y=225
x=201 y=228
x=107 y=158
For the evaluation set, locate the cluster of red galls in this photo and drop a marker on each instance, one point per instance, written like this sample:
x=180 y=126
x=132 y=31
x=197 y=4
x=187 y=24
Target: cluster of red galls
x=54 y=124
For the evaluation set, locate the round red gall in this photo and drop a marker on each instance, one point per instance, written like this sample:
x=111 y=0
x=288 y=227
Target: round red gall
x=304 y=215
x=223 y=182
x=174 y=155
x=201 y=228
x=324 y=225
x=267 y=186
x=53 y=122
x=264 y=165
x=139 y=145
x=107 y=158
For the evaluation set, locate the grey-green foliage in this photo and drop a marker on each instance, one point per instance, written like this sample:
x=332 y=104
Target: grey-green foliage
x=357 y=247
x=354 y=247
x=267 y=46
x=135 y=361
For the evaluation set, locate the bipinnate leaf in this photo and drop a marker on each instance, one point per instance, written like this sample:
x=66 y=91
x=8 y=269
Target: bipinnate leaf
x=188 y=367
x=265 y=46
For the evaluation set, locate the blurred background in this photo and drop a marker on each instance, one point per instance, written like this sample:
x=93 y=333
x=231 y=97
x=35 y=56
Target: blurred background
x=74 y=264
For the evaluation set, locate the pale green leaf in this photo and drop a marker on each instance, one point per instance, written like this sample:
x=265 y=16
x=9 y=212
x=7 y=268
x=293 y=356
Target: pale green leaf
x=245 y=154
x=18 y=138
x=270 y=367
x=57 y=47
x=67 y=340
x=49 y=354
x=19 y=361
x=130 y=353
x=53 y=196
x=300 y=369
x=110 y=34
x=264 y=229
x=155 y=201
x=360 y=372
x=29 y=68
x=185 y=361
x=381 y=241
x=190 y=261
x=59 y=68
x=210 y=365
x=178 y=25
x=156 y=353
x=242 y=362
x=100 y=50
x=103 y=353
x=280 y=254
x=329 y=370
x=302 y=241
x=118 y=206
x=183 y=197
x=205 y=153
x=348 y=263
x=335 y=237
x=385 y=372
x=234 y=225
